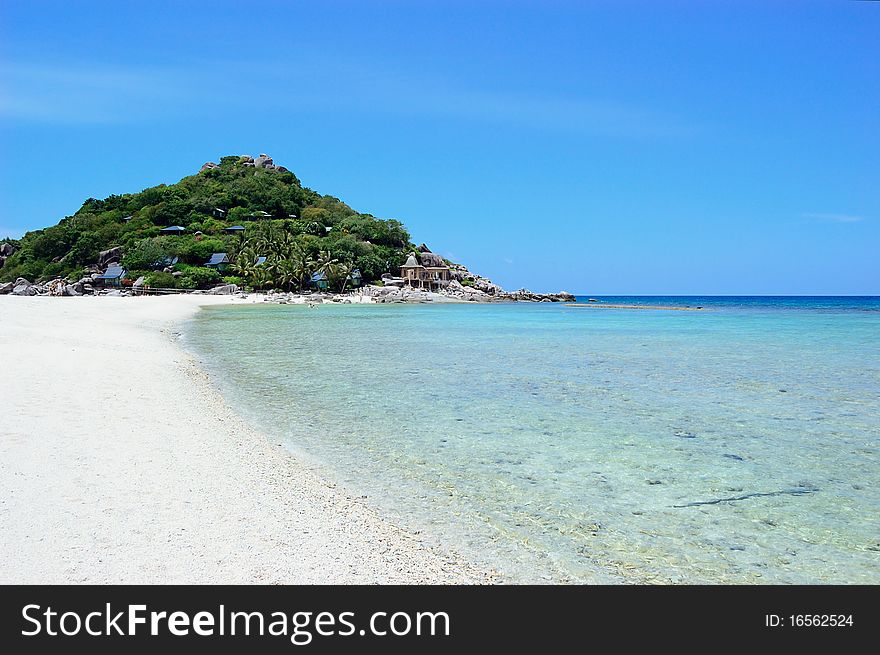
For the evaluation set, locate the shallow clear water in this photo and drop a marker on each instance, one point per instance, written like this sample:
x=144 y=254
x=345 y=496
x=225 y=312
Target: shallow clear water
x=561 y=443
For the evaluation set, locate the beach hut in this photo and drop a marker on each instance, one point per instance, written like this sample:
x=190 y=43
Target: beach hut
x=219 y=260
x=166 y=262
x=354 y=278
x=234 y=229
x=319 y=280
x=112 y=276
x=173 y=229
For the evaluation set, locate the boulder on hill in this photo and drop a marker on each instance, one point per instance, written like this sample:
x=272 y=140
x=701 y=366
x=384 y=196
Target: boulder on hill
x=111 y=255
x=432 y=259
x=264 y=161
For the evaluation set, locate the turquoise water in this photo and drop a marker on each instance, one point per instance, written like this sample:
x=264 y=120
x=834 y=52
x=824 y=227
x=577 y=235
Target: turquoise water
x=736 y=444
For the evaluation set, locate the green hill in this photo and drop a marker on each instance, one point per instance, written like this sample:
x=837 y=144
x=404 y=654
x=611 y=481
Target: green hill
x=294 y=228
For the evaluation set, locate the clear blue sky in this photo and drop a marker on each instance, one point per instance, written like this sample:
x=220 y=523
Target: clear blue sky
x=604 y=148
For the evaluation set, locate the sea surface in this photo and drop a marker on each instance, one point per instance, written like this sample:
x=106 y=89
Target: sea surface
x=736 y=444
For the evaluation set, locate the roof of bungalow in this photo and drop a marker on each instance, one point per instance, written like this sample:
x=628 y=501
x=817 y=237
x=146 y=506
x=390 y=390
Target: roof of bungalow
x=235 y=228
x=260 y=212
x=173 y=228
x=318 y=276
x=261 y=260
x=112 y=273
x=411 y=262
x=218 y=258
x=167 y=261
x=126 y=218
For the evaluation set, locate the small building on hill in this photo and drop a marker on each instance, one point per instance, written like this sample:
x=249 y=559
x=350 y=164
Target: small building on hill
x=219 y=260
x=112 y=277
x=173 y=229
x=166 y=262
x=234 y=229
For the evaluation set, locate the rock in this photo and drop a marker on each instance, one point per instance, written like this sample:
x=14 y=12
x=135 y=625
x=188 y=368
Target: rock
x=207 y=166
x=71 y=290
x=106 y=257
x=264 y=161
x=6 y=287
x=282 y=169
x=224 y=290
x=432 y=259
x=22 y=287
x=177 y=273
x=139 y=282
x=6 y=249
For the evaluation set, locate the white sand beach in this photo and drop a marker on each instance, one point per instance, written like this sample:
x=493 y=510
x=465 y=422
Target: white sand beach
x=120 y=463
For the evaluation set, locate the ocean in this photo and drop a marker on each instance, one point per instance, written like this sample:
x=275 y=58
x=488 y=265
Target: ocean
x=737 y=444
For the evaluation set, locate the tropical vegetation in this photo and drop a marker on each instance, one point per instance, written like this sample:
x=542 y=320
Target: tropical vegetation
x=291 y=233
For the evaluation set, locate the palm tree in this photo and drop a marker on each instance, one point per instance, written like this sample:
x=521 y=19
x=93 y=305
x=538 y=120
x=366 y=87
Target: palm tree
x=340 y=273
x=325 y=263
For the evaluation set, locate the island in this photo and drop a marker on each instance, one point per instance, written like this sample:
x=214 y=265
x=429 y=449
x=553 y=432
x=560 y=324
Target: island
x=243 y=224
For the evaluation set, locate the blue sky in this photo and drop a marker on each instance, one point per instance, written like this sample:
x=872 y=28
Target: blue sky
x=604 y=147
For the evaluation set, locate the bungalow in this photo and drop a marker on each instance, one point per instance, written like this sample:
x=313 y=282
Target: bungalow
x=173 y=229
x=424 y=277
x=319 y=280
x=112 y=276
x=126 y=219
x=218 y=213
x=259 y=214
x=167 y=261
x=234 y=229
x=219 y=260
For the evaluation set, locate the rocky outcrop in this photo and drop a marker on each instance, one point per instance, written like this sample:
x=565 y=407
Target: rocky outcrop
x=432 y=259
x=224 y=290
x=22 y=287
x=6 y=287
x=106 y=257
x=6 y=251
x=264 y=161
x=207 y=166
x=529 y=296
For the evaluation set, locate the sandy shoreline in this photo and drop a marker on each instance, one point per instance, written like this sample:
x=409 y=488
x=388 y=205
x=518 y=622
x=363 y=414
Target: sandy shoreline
x=120 y=463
